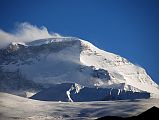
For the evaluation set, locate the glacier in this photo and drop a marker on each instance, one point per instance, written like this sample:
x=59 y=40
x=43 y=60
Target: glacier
x=37 y=67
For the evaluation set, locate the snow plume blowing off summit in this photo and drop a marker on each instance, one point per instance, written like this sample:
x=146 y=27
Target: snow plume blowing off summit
x=34 y=61
x=25 y=32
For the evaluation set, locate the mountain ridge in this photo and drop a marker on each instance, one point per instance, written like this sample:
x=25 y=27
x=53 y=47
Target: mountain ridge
x=72 y=60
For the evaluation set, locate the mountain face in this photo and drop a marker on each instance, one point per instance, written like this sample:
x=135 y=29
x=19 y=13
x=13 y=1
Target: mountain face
x=27 y=68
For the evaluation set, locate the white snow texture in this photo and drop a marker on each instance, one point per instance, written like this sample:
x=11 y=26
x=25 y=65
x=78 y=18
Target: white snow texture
x=72 y=60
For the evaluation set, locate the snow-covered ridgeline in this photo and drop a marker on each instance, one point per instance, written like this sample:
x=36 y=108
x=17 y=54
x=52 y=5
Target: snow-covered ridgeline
x=72 y=60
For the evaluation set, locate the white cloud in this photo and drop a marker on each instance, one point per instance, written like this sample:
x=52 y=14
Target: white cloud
x=25 y=32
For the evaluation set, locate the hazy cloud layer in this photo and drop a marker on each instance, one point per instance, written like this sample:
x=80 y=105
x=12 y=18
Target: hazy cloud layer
x=24 y=32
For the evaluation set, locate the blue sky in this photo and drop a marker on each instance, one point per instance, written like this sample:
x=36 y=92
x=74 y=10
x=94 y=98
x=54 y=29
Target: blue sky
x=129 y=28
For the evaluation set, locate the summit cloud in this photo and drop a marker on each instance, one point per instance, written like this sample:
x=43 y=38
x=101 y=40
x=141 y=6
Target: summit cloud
x=24 y=32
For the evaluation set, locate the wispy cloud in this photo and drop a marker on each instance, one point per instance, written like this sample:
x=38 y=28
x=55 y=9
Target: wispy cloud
x=25 y=32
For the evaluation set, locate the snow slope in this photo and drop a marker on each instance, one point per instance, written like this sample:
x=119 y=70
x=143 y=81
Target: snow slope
x=58 y=60
x=14 y=107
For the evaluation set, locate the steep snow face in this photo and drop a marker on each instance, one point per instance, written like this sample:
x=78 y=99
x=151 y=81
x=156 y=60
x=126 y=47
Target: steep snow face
x=72 y=60
x=123 y=74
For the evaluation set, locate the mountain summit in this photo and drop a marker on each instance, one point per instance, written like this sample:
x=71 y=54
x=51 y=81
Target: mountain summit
x=39 y=65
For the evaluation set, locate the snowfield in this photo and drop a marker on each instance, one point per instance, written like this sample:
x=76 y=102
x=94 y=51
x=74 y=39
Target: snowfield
x=14 y=107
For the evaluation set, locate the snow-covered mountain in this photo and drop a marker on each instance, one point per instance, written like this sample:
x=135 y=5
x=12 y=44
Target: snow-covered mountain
x=34 y=66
